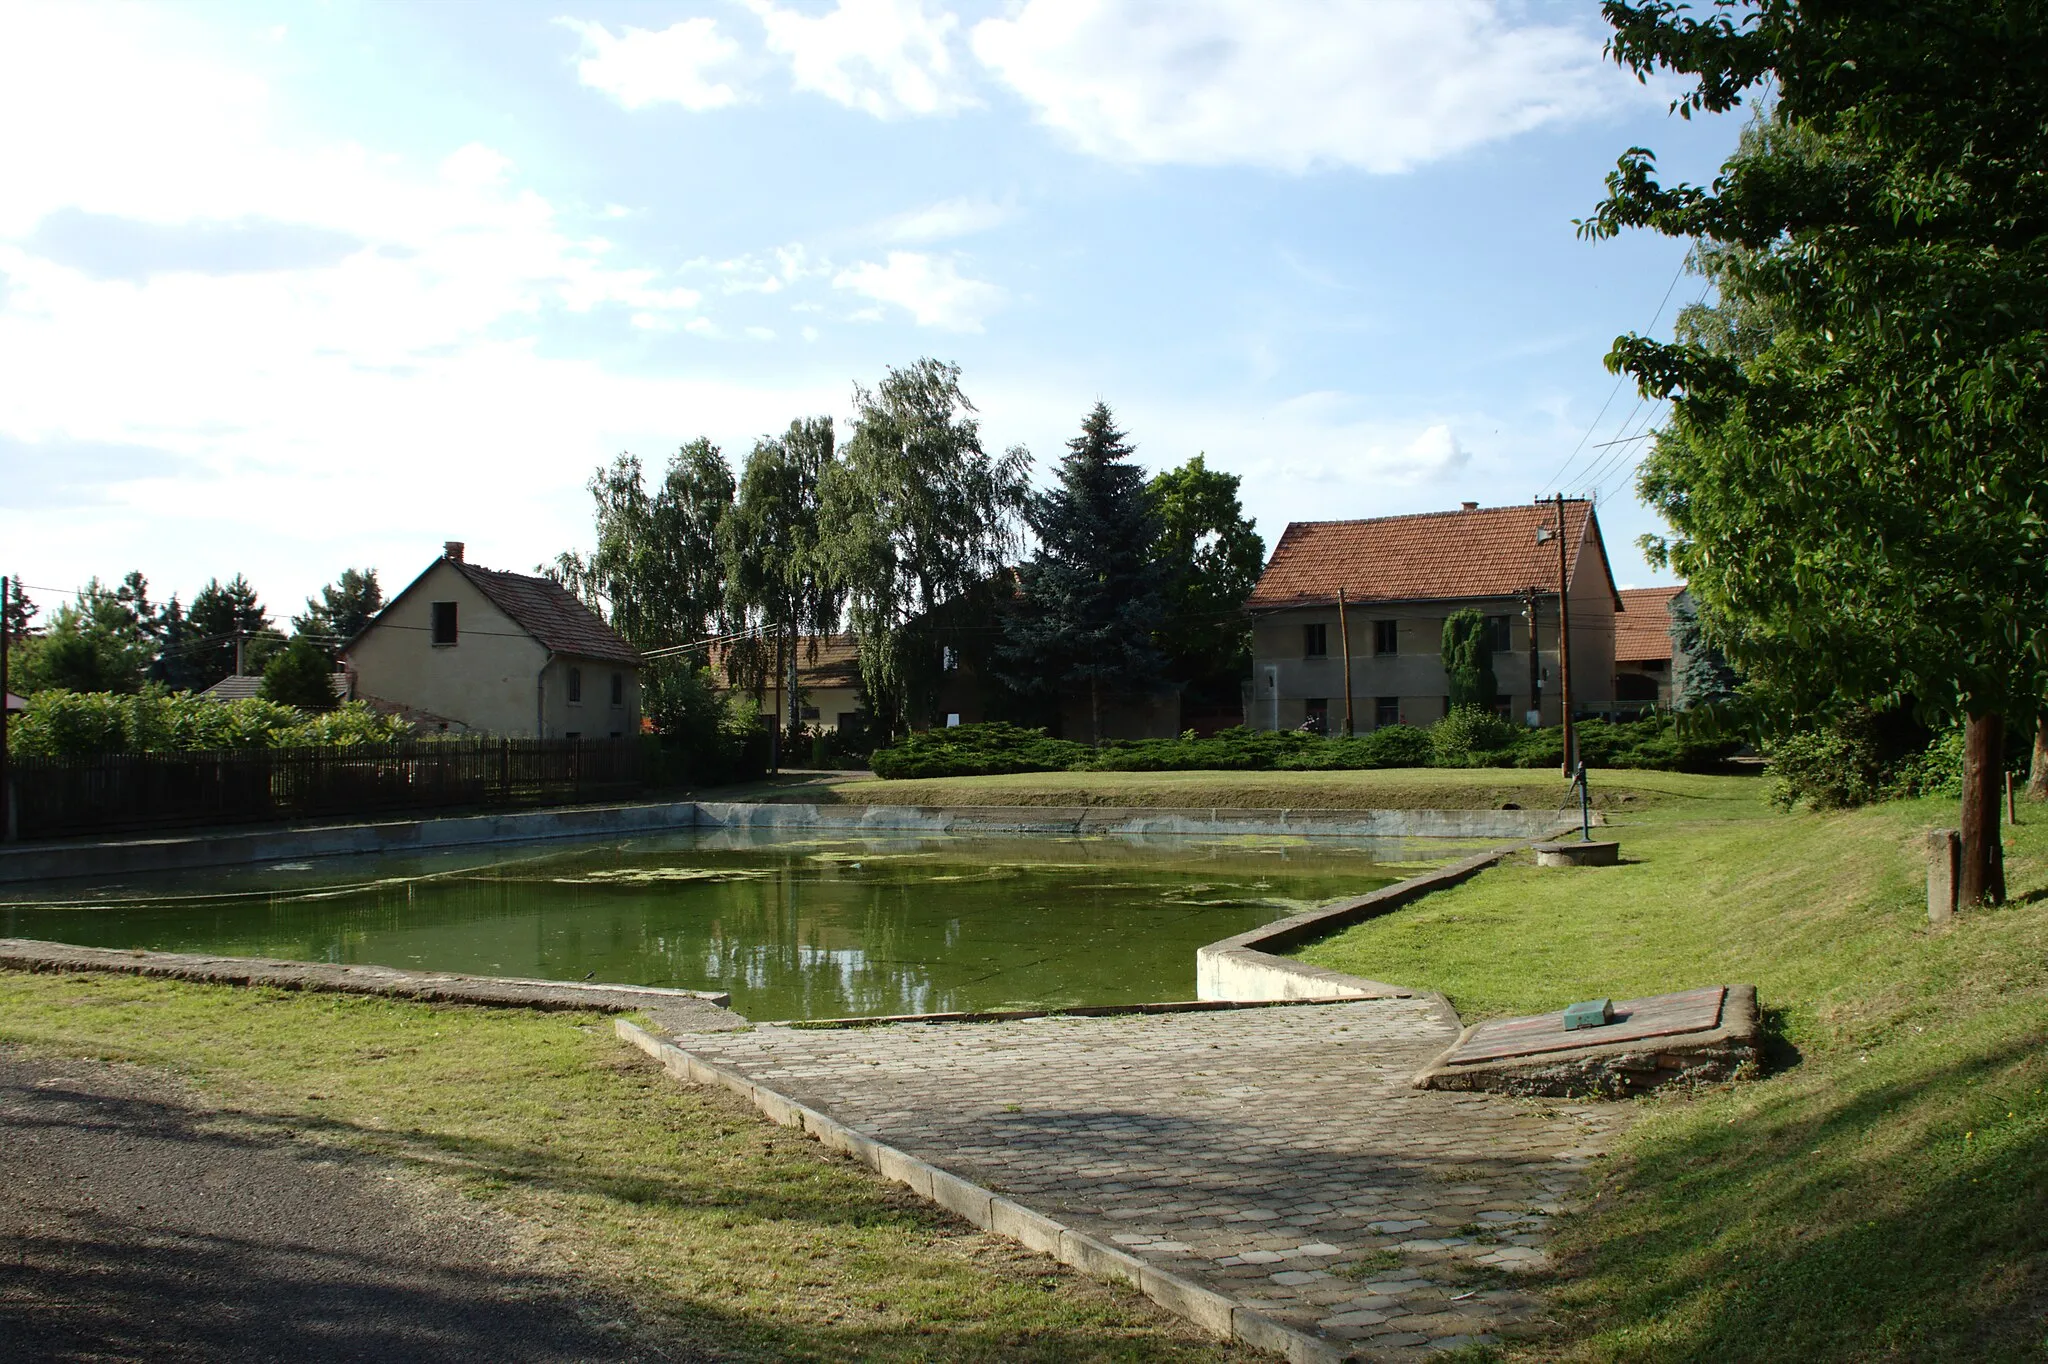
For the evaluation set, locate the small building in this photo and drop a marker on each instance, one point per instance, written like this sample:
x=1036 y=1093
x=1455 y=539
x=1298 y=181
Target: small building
x=829 y=695
x=1646 y=661
x=489 y=652
x=1399 y=577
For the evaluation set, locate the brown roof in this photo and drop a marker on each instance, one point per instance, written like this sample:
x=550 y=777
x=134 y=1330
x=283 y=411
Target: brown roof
x=1643 y=629
x=244 y=686
x=837 y=663
x=550 y=612
x=1484 y=552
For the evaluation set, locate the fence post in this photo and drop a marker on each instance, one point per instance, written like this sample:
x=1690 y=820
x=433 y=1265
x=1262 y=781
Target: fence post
x=1944 y=870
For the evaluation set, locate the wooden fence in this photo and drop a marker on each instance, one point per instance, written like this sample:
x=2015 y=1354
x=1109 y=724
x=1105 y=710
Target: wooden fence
x=124 y=792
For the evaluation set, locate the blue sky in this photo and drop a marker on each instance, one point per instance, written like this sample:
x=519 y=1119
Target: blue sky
x=286 y=289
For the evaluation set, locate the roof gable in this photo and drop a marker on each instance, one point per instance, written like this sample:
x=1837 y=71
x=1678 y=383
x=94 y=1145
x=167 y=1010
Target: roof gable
x=551 y=614
x=1432 y=556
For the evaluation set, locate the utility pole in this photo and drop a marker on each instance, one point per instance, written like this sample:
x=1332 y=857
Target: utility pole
x=1535 y=660
x=240 y=635
x=1564 y=641
x=6 y=788
x=1344 y=635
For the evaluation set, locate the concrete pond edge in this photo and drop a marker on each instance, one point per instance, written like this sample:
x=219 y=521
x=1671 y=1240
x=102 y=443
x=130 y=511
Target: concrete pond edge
x=991 y=1212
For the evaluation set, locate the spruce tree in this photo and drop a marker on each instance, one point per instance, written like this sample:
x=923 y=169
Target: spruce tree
x=1093 y=593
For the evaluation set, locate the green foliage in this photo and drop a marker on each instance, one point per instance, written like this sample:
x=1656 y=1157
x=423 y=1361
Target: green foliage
x=914 y=516
x=103 y=641
x=71 y=724
x=1461 y=740
x=1469 y=729
x=1211 y=556
x=1861 y=757
x=1090 y=598
x=658 y=572
x=1468 y=661
x=220 y=614
x=343 y=608
x=300 y=676
x=703 y=736
x=1705 y=679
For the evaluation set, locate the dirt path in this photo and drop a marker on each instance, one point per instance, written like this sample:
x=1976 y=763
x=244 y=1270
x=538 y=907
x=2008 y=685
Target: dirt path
x=135 y=1226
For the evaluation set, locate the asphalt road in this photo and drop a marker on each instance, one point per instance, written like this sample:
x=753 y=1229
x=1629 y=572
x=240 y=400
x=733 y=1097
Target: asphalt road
x=135 y=1227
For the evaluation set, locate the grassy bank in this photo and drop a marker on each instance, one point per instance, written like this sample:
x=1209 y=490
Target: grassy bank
x=725 y=1237
x=1882 y=1194
x=1409 y=788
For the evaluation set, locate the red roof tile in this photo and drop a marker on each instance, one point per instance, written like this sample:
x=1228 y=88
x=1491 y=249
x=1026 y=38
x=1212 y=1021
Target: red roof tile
x=550 y=612
x=1484 y=552
x=837 y=663
x=1643 y=629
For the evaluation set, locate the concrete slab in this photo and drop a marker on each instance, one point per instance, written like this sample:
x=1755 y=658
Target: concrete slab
x=1693 y=1037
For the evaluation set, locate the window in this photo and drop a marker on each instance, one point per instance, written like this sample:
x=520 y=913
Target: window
x=1315 y=641
x=1504 y=707
x=1317 y=720
x=1497 y=635
x=1386 y=710
x=618 y=689
x=575 y=688
x=444 y=622
x=1386 y=637
x=807 y=712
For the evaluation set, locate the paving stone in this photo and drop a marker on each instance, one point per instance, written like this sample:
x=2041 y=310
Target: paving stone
x=1216 y=1145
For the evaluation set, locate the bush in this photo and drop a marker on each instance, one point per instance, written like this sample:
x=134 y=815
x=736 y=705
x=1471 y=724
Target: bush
x=300 y=675
x=1468 y=730
x=975 y=751
x=71 y=723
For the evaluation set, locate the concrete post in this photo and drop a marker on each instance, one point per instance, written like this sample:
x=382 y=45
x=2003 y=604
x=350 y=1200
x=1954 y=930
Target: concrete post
x=1944 y=870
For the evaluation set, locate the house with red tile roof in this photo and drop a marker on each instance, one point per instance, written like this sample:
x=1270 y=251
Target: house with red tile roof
x=482 y=651
x=1646 y=661
x=828 y=696
x=1380 y=589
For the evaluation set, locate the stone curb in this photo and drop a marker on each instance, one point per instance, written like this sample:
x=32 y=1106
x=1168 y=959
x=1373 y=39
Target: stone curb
x=991 y=1212
x=426 y=987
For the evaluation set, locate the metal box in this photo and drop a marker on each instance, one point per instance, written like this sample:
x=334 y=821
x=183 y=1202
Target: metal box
x=1594 y=1013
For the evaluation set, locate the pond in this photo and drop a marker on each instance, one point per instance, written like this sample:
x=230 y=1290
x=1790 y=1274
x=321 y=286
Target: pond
x=792 y=926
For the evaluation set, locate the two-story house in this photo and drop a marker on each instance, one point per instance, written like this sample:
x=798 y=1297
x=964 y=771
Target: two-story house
x=474 y=650
x=1398 y=578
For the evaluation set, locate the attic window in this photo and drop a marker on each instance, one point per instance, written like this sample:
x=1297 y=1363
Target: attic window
x=1386 y=637
x=444 y=622
x=1315 y=641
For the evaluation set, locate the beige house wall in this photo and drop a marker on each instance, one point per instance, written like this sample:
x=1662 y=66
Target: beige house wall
x=1283 y=680
x=495 y=678
x=829 y=702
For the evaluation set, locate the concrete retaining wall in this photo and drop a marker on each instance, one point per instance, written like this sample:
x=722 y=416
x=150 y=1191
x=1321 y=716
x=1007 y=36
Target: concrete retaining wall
x=127 y=857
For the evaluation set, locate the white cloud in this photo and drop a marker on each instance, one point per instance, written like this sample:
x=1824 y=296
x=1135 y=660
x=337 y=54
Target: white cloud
x=945 y=221
x=1382 y=86
x=884 y=57
x=639 y=67
x=930 y=288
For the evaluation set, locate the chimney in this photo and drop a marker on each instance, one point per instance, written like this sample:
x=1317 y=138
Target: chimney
x=1468 y=506
x=452 y=549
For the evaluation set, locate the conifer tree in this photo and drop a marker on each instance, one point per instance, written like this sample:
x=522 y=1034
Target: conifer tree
x=1093 y=593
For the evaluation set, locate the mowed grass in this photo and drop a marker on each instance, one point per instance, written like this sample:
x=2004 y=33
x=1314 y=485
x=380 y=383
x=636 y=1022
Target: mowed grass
x=713 y=1233
x=1883 y=1192
x=1418 y=788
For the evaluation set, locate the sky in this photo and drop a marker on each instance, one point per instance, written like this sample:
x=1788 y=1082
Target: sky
x=291 y=288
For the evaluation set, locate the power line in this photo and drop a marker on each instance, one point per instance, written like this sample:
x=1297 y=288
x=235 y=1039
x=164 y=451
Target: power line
x=1556 y=481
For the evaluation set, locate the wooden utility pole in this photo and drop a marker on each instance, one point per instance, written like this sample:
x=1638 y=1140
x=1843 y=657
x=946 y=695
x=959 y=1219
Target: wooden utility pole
x=6 y=790
x=1344 y=637
x=1564 y=640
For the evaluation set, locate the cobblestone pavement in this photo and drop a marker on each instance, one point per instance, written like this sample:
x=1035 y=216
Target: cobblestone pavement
x=1276 y=1155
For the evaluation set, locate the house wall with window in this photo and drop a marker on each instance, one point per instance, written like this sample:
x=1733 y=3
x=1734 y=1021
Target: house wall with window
x=588 y=698
x=484 y=680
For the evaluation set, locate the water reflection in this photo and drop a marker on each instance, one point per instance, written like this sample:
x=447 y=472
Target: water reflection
x=793 y=927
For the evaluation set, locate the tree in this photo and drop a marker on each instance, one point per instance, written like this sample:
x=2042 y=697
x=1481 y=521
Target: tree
x=1468 y=660
x=1857 y=504
x=222 y=615
x=775 y=572
x=299 y=675
x=96 y=643
x=175 y=666
x=1705 y=679
x=1211 y=556
x=342 y=610
x=915 y=515
x=658 y=571
x=17 y=613
x=1093 y=593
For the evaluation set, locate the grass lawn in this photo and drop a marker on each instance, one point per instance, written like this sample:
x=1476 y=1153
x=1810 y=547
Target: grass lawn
x=726 y=1237
x=1418 y=788
x=1883 y=1193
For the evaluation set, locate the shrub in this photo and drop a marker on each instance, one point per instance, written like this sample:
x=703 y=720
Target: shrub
x=1468 y=730
x=300 y=675
x=975 y=751
x=1825 y=769
x=71 y=723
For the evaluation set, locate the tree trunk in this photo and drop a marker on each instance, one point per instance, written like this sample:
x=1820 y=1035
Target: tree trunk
x=1095 y=708
x=2037 y=775
x=1983 y=879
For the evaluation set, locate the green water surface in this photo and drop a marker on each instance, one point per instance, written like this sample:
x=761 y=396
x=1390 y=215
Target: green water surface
x=800 y=927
